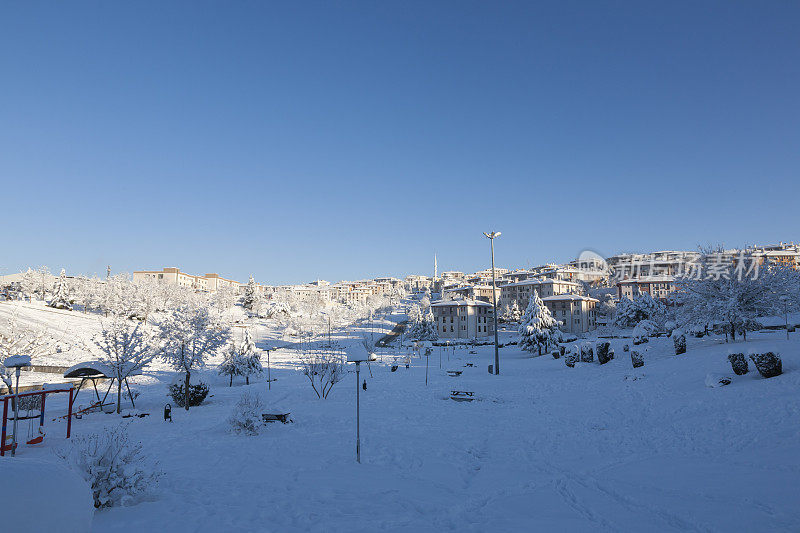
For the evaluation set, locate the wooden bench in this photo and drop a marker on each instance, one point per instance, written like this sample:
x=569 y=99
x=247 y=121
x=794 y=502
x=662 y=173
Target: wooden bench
x=454 y=373
x=276 y=417
x=462 y=395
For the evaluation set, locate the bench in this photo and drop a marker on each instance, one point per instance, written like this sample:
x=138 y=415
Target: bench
x=469 y=365
x=462 y=395
x=454 y=373
x=276 y=417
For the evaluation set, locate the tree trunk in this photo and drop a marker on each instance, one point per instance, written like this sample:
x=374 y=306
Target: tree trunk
x=119 y=396
x=733 y=333
x=247 y=379
x=186 y=393
x=231 y=383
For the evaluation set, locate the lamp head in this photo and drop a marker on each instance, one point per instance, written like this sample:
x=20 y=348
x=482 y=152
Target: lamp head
x=492 y=235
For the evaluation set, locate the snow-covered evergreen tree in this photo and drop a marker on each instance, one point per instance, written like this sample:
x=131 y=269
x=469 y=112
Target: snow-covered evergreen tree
x=61 y=297
x=421 y=325
x=190 y=335
x=538 y=329
x=516 y=312
x=249 y=294
x=36 y=282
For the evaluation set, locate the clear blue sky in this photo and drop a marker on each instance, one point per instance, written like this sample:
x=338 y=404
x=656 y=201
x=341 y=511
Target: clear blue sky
x=297 y=140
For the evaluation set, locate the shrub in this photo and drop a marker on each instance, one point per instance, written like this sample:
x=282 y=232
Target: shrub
x=604 y=353
x=115 y=468
x=636 y=359
x=197 y=393
x=679 y=340
x=768 y=364
x=738 y=364
x=556 y=354
x=626 y=347
x=246 y=415
x=571 y=358
x=587 y=354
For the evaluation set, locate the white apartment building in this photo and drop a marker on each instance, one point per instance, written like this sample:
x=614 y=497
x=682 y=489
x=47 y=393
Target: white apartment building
x=474 y=292
x=577 y=314
x=658 y=287
x=463 y=319
x=521 y=291
x=173 y=275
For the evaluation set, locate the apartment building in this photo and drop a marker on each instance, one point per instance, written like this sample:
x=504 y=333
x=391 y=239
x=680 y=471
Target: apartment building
x=576 y=313
x=521 y=291
x=658 y=287
x=173 y=275
x=463 y=319
x=472 y=292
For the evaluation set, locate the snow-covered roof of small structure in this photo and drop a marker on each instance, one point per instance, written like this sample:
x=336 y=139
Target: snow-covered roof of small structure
x=96 y=369
x=17 y=360
x=573 y=297
x=358 y=352
x=463 y=301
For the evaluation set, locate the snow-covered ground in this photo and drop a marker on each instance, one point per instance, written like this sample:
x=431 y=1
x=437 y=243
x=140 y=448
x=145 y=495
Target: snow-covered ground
x=543 y=446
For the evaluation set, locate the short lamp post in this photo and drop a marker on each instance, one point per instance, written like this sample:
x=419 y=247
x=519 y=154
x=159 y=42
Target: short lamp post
x=358 y=354
x=492 y=236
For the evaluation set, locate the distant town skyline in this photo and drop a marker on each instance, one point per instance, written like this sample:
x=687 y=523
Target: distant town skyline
x=338 y=141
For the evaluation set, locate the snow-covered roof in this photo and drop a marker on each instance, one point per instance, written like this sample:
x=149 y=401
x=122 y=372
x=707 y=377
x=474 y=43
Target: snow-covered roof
x=96 y=369
x=17 y=360
x=464 y=301
x=538 y=282
x=573 y=297
x=649 y=279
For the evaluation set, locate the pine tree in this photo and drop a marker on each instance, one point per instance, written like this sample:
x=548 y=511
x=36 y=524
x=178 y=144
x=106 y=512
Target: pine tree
x=516 y=312
x=538 y=328
x=60 y=299
x=249 y=297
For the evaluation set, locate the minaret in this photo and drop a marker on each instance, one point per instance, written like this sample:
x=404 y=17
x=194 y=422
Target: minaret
x=435 y=267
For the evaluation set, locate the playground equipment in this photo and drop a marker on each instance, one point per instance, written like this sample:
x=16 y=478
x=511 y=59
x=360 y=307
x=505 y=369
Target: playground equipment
x=94 y=371
x=33 y=403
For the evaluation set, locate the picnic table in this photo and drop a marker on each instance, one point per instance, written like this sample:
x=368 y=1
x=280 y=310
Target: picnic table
x=462 y=395
x=454 y=373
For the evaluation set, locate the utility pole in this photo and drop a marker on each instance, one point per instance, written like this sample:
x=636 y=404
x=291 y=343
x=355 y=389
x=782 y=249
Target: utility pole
x=492 y=236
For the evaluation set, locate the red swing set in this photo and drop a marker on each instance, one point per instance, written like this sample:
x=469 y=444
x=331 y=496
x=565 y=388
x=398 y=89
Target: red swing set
x=9 y=442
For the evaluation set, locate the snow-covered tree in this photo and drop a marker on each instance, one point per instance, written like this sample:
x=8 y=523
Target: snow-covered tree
x=232 y=364
x=249 y=294
x=242 y=359
x=190 y=335
x=61 y=295
x=630 y=312
x=36 y=282
x=516 y=312
x=733 y=301
x=323 y=370
x=421 y=325
x=17 y=338
x=538 y=329
x=125 y=348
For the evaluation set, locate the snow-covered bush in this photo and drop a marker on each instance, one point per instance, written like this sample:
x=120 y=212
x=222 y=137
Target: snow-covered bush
x=768 y=364
x=571 y=358
x=587 y=353
x=738 y=363
x=636 y=359
x=679 y=340
x=197 y=393
x=246 y=415
x=115 y=468
x=604 y=352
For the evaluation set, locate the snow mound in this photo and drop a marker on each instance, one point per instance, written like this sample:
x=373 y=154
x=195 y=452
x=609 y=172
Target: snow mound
x=45 y=496
x=717 y=380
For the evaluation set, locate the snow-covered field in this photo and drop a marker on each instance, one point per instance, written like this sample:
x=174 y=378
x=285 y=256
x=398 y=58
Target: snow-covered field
x=543 y=447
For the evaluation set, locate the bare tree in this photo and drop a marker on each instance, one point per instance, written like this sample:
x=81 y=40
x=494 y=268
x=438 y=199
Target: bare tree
x=19 y=339
x=323 y=370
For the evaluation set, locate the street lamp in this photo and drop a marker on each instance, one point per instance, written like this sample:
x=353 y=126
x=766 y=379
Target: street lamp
x=16 y=362
x=785 y=300
x=492 y=236
x=357 y=353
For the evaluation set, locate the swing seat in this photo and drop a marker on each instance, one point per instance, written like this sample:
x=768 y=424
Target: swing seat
x=37 y=440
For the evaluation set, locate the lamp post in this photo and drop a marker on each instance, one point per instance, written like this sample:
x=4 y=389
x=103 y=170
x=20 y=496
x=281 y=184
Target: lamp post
x=785 y=300
x=356 y=354
x=492 y=236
